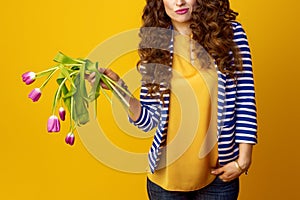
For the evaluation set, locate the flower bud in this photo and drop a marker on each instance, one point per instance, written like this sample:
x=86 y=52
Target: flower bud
x=35 y=94
x=53 y=124
x=62 y=113
x=28 y=77
x=70 y=139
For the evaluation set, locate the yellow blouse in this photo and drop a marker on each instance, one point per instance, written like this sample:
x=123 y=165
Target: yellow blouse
x=185 y=169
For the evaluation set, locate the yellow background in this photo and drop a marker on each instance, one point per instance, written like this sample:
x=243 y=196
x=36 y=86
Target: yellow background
x=38 y=165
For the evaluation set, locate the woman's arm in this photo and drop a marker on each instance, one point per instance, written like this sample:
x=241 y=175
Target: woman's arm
x=135 y=109
x=234 y=169
x=134 y=104
x=245 y=111
x=245 y=156
x=144 y=113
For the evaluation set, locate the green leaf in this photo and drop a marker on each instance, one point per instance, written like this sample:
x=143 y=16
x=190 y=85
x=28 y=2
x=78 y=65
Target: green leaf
x=63 y=59
x=95 y=90
x=82 y=88
x=81 y=115
x=65 y=73
x=70 y=93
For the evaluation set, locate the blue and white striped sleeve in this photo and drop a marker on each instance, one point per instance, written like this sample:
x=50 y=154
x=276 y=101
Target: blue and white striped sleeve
x=246 y=117
x=150 y=111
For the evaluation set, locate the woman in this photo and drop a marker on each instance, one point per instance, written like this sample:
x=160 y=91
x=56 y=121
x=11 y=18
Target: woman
x=209 y=25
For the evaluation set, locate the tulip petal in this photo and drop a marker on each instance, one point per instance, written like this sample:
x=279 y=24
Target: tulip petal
x=35 y=94
x=28 y=77
x=72 y=139
x=62 y=113
x=53 y=124
x=67 y=139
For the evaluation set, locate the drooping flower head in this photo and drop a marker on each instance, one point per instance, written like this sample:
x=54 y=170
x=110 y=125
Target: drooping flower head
x=53 y=124
x=28 y=77
x=70 y=139
x=35 y=94
x=69 y=95
x=62 y=113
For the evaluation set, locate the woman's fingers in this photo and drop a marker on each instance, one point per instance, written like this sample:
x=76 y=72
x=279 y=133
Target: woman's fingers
x=101 y=70
x=103 y=85
x=228 y=172
x=110 y=73
x=231 y=172
x=90 y=77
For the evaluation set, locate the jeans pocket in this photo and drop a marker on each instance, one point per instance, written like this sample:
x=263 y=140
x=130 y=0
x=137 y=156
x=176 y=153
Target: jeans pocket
x=219 y=180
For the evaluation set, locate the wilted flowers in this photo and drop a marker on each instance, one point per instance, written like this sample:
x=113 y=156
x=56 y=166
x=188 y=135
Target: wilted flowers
x=35 y=94
x=70 y=139
x=28 y=77
x=53 y=124
x=62 y=113
x=71 y=92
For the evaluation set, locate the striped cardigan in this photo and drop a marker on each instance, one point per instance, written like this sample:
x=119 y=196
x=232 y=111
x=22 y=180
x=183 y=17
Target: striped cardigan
x=236 y=110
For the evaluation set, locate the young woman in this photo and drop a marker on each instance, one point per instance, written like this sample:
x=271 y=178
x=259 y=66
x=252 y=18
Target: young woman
x=175 y=36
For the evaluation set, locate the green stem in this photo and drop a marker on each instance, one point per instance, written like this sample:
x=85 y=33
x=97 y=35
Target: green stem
x=57 y=95
x=72 y=122
x=48 y=78
x=117 y=85
x=73 y=128
x=73 y=65
x=66 y=74
x=106 y=96
x=79 y=61
x=45 y=72
x=71 y=114
x=118 y=93
x=58 y=92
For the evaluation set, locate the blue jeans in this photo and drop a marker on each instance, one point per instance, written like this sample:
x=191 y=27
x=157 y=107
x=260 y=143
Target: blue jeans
x=217 y=190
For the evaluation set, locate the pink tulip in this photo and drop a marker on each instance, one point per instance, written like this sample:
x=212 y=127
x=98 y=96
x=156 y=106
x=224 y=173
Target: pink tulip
x=62 y=113
x=53 y=124
x=28 y=77
x=70 y=139
x=35 y=94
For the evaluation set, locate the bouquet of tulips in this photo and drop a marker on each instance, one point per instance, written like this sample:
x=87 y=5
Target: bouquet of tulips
x=72 y=94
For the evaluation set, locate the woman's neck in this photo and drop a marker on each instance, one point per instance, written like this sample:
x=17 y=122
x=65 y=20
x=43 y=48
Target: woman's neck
x=182 y=28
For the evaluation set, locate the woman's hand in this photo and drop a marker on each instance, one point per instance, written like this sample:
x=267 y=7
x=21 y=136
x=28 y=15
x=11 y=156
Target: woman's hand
x=234 y=169
x=108 y=72
x=134 y=104
x=228 y=172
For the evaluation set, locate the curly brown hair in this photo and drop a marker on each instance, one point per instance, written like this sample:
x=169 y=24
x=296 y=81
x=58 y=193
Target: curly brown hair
x=211 y=26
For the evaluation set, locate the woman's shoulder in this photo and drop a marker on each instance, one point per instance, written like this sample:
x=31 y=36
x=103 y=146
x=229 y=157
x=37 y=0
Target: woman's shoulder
x=235 y=23
x=238 y=31
x=237 y=27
